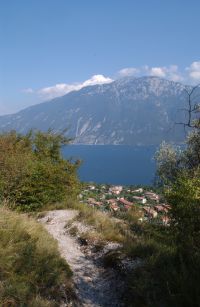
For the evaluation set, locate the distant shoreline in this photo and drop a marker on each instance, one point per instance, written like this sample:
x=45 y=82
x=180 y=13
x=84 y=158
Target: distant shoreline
x=134 y=145
x=137 y=145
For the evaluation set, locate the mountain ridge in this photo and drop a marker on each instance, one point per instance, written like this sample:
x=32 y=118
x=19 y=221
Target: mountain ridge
x=131 y=111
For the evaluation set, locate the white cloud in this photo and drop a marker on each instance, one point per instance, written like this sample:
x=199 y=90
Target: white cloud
x=194 y=71
x=188 y=75
x=174 y=74
x=96 y=79
x=158 y=72
x=64 y=88
x=169 y=72
x=129 y=71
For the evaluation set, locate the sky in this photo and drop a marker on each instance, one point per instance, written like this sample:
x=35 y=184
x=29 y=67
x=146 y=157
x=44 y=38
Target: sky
x=50 y=47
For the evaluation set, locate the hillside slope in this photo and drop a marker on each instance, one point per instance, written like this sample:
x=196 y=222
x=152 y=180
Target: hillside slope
x=32 y=270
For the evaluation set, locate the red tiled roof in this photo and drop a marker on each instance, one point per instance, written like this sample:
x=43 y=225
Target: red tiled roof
x=167 y=206
x=165 y=220
x=125 y=202
x=161 y=208
x=149 y=210
x=114 y=207
x=111 y=201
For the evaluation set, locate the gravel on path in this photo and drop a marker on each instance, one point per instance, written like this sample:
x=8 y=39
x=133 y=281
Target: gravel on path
x=95 y=286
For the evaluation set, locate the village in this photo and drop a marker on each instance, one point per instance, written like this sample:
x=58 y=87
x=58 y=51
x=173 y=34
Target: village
x=117 y=199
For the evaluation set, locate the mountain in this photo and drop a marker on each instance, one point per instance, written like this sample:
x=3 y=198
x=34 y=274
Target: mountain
x=134 y=111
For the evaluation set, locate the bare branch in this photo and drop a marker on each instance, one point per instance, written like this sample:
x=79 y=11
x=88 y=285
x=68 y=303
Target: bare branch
x=192 y=108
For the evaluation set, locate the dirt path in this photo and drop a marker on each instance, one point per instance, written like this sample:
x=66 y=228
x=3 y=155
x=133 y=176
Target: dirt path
x=95 y=286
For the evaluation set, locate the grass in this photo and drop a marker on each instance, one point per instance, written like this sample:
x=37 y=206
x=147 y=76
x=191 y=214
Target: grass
x=31 y=270
x=144 y=285
x=104 y=227
x=32 y=273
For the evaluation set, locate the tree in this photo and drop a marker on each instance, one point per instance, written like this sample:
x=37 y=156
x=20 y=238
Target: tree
x=33 y=171
x=170 y=159
x=193 y=108
x=179 y=173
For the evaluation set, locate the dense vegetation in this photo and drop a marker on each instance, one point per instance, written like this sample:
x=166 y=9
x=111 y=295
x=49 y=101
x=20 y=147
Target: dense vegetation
x=33 y=172
x=170 y=271
x=32 y=175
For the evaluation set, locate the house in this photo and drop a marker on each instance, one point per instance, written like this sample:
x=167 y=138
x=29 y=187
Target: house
x=140 y=190
x=165 y=220
x=150 y=212
x=152 y=196
x=116 y=190
x=125 y=202
x=91 y=187
x=114 y=207
x=161 y=209
x=98 y=203
x=93 y=202
x=140 y=199
x=111 y=201
x=168 y=207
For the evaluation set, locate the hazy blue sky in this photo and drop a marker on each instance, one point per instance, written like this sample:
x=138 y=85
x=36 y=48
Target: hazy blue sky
x=49 y=47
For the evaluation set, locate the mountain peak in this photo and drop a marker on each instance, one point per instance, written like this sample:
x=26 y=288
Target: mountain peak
x=135 y=111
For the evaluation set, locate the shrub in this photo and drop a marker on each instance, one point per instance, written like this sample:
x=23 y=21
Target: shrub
x=169 y=274
x=33 y=172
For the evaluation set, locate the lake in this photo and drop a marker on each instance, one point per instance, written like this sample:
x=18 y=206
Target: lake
x=125 y=165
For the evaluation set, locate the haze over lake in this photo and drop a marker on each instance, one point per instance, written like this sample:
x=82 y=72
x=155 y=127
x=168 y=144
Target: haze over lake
x=126 y=165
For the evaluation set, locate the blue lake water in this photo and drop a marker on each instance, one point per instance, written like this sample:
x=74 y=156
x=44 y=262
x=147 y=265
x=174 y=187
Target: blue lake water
x=126 y=165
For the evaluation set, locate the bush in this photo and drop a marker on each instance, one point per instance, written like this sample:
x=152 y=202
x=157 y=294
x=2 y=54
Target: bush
x=33 y=172
x=169 y=274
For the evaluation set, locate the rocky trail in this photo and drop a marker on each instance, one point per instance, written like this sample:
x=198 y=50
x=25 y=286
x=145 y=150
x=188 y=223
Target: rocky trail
x=95 y=285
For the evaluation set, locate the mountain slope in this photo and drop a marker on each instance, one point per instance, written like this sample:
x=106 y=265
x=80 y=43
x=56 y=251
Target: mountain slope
x=131 y=111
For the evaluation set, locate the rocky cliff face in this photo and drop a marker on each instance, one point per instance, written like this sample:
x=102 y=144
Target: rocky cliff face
x=140 y=111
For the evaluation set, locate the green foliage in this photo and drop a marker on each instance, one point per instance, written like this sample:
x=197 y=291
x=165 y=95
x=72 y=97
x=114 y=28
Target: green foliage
x=171 y=160
x=32 y=273
x=33 y=172
x=192 y=152
x=168 y=160
x=169 y=274
x=184 y=198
